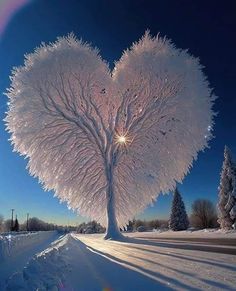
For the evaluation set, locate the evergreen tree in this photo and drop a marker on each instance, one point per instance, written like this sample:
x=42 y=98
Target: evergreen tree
x=16 y=225
x=178 y=218
x=226 y=191
x=231 y=204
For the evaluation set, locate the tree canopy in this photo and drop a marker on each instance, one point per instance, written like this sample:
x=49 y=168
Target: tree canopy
x=109 y=142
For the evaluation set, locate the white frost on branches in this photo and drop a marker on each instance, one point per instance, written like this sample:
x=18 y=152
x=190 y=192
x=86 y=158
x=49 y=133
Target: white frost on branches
x=90 y=134
x=227 y=192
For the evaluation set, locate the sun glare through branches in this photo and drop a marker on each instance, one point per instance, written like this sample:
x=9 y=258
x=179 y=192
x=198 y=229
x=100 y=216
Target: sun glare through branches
x=122 y=139
x=108 y=142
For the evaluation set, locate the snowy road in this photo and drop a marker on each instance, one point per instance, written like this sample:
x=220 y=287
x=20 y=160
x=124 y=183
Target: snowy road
x=87 y=262
x=222 y=246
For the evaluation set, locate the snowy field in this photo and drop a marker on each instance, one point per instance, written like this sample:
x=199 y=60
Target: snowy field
x=153 y=262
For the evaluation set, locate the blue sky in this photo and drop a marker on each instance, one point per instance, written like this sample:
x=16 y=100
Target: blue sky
x=207 y=30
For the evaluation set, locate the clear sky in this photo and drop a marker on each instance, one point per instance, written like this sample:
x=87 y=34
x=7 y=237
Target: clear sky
x=206 y=28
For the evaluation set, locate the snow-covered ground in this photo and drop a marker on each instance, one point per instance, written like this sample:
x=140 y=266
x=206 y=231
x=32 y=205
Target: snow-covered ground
x=87 y=262
x=13 y=243
x=211 y=233
x=17 y=249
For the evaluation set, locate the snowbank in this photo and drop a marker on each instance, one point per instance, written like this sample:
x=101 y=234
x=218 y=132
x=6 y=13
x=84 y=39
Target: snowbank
x=69 y=264
x=45 y=271
x=14 y=244
x=191 y=233
x=88 y=262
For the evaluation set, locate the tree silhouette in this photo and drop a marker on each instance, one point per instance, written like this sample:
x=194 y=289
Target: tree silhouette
x=16 y=225
x=203 y=214
x=109 y=142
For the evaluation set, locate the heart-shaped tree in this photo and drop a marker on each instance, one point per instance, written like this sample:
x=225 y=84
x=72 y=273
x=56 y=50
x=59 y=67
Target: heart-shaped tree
x=109 y=142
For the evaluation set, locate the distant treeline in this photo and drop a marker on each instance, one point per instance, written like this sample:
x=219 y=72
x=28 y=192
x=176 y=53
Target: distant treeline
x=203 y=215
x=134 y=225
x=34 y=224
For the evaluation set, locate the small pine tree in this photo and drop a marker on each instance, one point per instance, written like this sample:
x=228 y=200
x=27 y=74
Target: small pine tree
x=16 y=225
x=178 y=218
x=226 y=190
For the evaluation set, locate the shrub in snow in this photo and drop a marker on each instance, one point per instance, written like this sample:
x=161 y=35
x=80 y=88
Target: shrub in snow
x=142 y=228
x=137 y=223
x=227 y=191
x=90 y=227
x=108 y=143
x=88 y=230
x=130 y=225
x=178 y=218
x=153 y=224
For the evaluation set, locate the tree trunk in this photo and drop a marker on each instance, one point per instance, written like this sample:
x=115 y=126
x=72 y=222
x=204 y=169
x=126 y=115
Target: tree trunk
x=112 y=231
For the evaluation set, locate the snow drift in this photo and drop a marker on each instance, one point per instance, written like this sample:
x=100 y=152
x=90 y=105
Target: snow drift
x=14 y=244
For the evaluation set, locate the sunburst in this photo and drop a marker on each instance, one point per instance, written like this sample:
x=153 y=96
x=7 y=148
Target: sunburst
x=122 y=139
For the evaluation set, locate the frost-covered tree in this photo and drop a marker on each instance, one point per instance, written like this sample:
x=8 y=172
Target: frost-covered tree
x=231 y=204
x=227 y=191
x=109 y=142
x=178 y=217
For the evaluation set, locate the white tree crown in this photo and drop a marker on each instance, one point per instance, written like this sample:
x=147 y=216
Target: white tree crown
x=149 y=117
